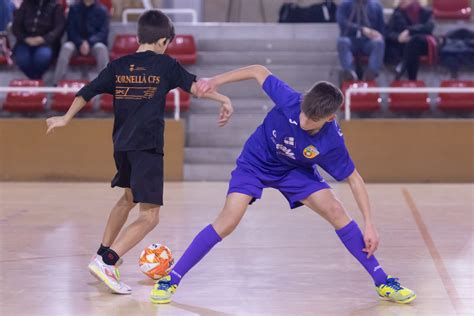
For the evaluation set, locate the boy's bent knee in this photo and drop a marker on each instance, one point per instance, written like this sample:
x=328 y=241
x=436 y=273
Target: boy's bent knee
x=225 y=227
x=127 y=200
x=150 y=213
x=335 y=213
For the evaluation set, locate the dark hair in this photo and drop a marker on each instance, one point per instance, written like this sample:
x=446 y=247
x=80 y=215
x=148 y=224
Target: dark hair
x=322 y=100
x=153 y=25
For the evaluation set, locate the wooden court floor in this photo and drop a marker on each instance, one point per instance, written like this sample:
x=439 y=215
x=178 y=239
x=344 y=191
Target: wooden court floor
x=278 y=262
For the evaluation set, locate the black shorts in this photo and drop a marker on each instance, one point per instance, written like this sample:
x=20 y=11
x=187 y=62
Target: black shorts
x=142 y=172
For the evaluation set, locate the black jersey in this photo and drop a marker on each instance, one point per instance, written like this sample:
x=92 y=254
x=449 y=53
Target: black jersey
x=139 y=84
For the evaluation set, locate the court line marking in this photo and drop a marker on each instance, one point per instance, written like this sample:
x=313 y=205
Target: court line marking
x=435 y=255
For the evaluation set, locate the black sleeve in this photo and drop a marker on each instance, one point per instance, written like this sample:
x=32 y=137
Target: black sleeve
x=426 y=25
x=18 y=27
x=104 y=83
x=59 y=26
x=180 y=77
x=393 y=27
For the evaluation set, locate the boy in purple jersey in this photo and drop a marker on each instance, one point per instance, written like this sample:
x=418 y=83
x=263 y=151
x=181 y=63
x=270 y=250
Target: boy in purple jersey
x=297 y=135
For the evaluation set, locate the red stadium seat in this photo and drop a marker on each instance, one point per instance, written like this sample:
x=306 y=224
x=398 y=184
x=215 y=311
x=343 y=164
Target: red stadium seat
x=106 y=102
x=25 y=101
x=124 y=44
x=363 y=102
x=79 y=60
x=410 y=102
x=452 y=9
x=431 y=58
x=183 y=48
x=62 y=101
x=456 y=101
x=184 y=101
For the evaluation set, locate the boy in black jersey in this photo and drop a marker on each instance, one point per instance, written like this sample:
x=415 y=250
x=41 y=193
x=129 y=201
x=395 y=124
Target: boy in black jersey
x=139 y=83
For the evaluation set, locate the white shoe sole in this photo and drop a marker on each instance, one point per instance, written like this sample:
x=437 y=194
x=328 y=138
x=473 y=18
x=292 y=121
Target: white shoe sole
x=99 y=276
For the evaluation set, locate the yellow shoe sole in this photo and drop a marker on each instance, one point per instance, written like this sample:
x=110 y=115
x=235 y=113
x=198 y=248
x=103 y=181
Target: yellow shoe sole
x=155 y=301
x=408 y=300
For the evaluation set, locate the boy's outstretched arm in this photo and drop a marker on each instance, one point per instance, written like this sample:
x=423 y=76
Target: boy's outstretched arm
x=359 y=190
x=257 y=72
x=226 y=109
x=60 y=121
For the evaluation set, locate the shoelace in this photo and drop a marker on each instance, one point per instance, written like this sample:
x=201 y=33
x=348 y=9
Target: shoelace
x=394 y=284
x=164 y=285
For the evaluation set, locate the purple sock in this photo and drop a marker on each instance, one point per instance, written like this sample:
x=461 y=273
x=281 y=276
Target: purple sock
x=201 y=245
x=352 y=238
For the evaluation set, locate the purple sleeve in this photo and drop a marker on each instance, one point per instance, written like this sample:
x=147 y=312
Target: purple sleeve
x=338 y=163
x=280 y=92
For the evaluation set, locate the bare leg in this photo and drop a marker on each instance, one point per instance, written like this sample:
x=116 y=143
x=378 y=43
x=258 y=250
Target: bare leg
x=234 y=209
x=326 y=204
x=117 y=218
x=147 y=219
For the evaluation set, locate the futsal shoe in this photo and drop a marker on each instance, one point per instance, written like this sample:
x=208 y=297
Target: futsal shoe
x=109 y=275
x=162 y=291
x=391 y=290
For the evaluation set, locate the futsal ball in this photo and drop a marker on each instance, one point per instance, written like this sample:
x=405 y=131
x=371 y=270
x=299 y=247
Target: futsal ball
x=156 y=261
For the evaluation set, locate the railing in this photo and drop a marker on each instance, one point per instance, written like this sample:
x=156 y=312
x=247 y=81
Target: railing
x=175 y=92
x=353 y=90
x=136 y=11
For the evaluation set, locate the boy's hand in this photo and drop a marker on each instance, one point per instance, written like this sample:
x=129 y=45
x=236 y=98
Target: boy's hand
x=56 y=121
x=225 y=113
x=371 y=239
x=205 y=85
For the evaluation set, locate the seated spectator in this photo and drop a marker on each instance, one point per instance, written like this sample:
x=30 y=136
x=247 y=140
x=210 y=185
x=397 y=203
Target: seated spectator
x=37 y=26
x=406 y=37
x=87 y=30
x=362 y=29
x=6 y=12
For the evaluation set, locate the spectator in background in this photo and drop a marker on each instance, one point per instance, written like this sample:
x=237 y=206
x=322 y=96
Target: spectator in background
x=37 y=26
x=407 y=30
x=87 y=30
x=362 y=33
x=6 y=12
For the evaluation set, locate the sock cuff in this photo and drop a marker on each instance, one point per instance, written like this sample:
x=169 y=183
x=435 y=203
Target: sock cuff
x=110 y=257
x=212 y=234
x=348 y=230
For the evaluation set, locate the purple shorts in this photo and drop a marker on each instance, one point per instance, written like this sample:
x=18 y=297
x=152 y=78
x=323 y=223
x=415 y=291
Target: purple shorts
x=295 y=185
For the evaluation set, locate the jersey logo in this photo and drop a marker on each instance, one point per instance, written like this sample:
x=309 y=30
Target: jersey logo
x=340 y=132
x=310 y=152
x=285 y=151
x=133 y=68
x=290 y=141
x=274 y=133
x=293 y=122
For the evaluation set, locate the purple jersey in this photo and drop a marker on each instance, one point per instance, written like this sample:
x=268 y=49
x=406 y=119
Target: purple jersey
x=280 y=145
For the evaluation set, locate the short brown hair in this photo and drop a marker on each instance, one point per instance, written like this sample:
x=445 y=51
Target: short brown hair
x=153 y=25
x=322 y=100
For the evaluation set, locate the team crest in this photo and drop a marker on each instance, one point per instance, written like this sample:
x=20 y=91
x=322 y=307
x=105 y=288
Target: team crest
x=310 y=152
